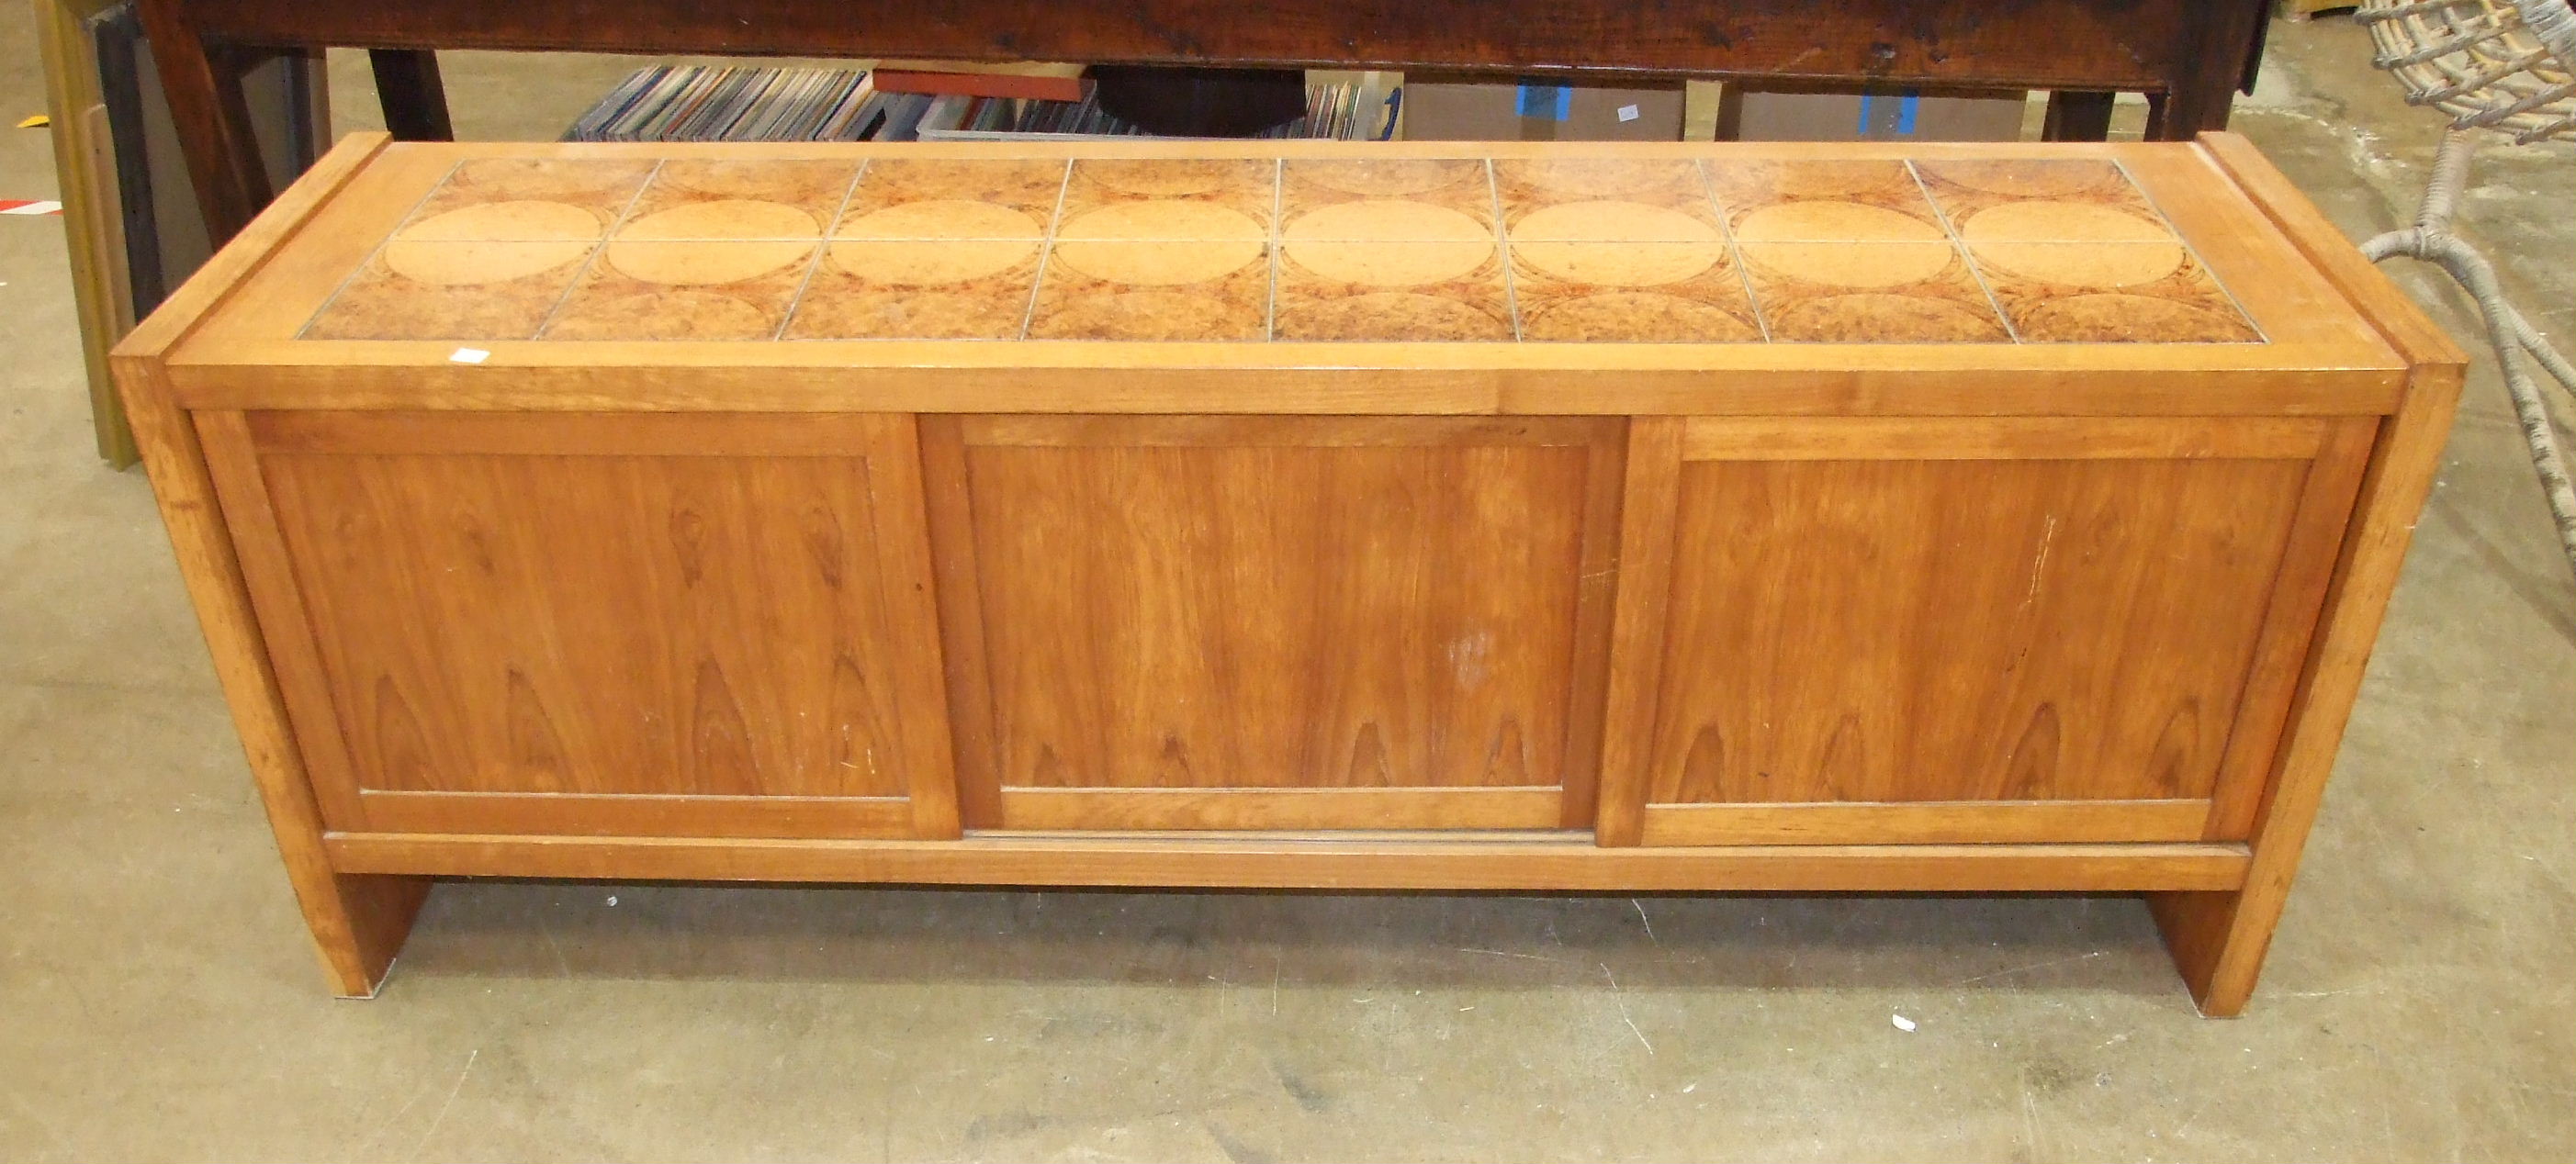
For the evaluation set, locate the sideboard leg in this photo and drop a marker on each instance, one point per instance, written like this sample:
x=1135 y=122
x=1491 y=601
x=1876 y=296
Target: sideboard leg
x=2217 y=940
x=359 y=923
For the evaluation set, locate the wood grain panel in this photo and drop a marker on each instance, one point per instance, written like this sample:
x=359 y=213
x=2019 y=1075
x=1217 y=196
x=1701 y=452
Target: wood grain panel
x=1894 y=631
x=1281 y=603
x=1933 y=823
x=1238 y=809
x=608 y=623
x=628 y=815
x=1558 y=862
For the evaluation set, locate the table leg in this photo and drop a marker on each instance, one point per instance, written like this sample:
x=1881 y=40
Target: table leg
x=414 y=99
x=2077 y=115
x=2224 y=57
x=203 y=85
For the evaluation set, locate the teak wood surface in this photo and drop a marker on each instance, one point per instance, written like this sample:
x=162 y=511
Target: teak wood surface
x=1475 y=610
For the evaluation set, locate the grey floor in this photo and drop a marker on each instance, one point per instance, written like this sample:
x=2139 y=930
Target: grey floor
x=157 y=999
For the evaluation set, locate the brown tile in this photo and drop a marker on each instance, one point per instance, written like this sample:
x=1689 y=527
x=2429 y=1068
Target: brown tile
x=1354 y=198
x=527 y=198
x=452 y=290
x=1604 y=199
x=1661 y=292
x=915 y=289
x=1417 y=291
x=1870 y=293
x=925 y=198
x=657 y=290
x=707 y=198
x=2042 y=200
x=1153 y=291
x=1169 y=199
x=2109 y=293
x=1820 y=200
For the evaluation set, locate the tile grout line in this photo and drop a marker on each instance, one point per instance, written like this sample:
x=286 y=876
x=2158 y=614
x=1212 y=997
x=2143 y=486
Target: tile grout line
x=2260 y=335
x=1503 y=248
x=822 y=247
x=1726 y=230
x=381 y=246
x=1278 y=207
x=1046 y=249
x=591 y=261
x=1959 y=247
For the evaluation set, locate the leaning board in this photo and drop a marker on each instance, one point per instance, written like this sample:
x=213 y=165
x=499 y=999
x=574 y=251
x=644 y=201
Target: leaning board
x=1295 y=514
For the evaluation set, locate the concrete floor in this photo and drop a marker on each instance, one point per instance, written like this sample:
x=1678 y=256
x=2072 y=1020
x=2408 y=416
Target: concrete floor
x=157 y=999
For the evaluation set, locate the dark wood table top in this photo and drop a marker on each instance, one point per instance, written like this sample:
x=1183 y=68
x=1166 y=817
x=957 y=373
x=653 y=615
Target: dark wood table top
x=2189 y=56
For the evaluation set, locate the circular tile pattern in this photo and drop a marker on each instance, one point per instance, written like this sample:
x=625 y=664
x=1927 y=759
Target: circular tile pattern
x=513 y=219
x=1151 y=264
x=1848 y=265
x=700 y=264
x=458 y=264
x=942 y=218
x=922 y=264
x=2059 y=222
x=1836 y=221
x=723 y=218
x=2027 y=179
x=1390 y=177
x=2135 y=318
x=1162 y=220
x=1595 y=177
x=1378 y=264
x=1610 y=221
x=1147 y=314
x=1392 y=315
x=1874 y=318
x=1386 y=220
x=1639 y=316
x=1638 y=265
x=2126 y=265
x=1164 y=177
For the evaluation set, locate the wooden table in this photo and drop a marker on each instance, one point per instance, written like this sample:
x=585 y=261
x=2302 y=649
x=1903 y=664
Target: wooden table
x=1295 y=514
x=2188 y=56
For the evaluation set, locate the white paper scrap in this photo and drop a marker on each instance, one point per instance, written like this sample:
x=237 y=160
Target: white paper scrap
x=1902 y=1023
x=1629 y=113
x=468 y=356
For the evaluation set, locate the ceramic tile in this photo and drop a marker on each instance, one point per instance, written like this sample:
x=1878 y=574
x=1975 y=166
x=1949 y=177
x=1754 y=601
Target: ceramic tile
x=1870 y=293
x=1604 y=200
x=916 y=289
x=1660 y=292
x=1153 y=291
x=660 y=290
x=1824 y=200
x=704 y=198
x=1385 y=198
x=526 y=199
x=1169 y=199
x=1417 y=291
x=2109 y=293
x=978 y=198
x=2042 y=200
x=452 y=290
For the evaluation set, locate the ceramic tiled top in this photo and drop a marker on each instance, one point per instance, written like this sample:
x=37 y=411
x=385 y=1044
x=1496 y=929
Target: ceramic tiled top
x=1390 y=248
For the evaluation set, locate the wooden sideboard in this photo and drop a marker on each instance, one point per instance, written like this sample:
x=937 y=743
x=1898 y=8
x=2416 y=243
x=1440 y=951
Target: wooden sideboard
x=1302 y=515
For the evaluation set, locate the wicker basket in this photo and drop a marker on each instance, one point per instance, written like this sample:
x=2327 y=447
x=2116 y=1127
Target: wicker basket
x=2490 y=64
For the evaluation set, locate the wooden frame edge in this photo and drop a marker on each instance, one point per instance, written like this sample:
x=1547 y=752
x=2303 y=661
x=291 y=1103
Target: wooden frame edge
x=1569 y=862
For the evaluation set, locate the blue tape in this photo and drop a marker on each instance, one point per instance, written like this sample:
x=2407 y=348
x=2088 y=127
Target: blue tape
x=1553 y=102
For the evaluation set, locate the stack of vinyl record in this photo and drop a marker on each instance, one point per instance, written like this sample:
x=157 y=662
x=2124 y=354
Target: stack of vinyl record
x=728 y=103
x=725 y=103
